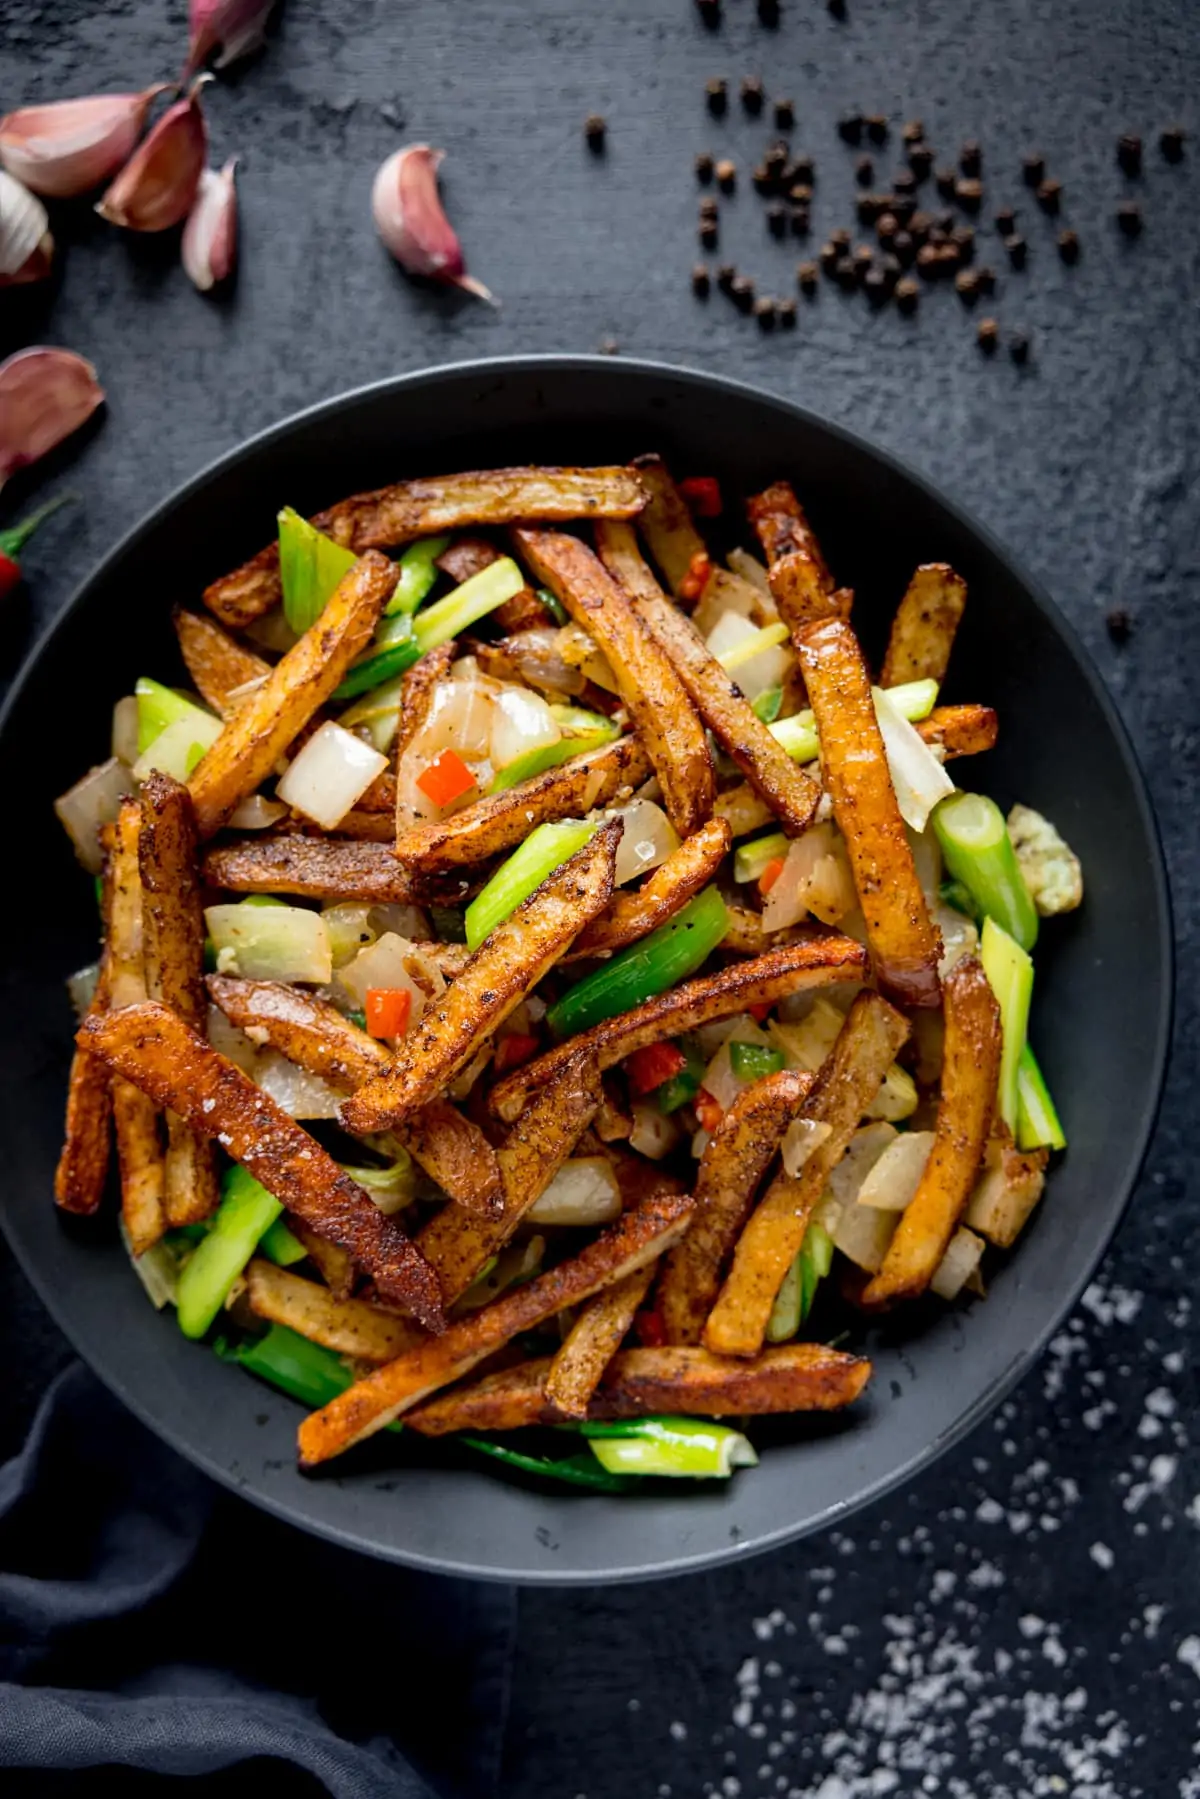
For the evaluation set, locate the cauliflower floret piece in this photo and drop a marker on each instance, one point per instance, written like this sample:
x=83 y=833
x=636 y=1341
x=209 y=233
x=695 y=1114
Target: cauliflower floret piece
x=1050 y=866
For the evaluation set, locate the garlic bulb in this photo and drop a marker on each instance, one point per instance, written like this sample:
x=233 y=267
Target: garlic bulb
x=209 y=247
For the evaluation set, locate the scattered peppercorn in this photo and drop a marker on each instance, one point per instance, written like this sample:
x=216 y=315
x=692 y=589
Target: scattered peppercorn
x=963 y=239
x=726 y=174
x=709 y=233
x=877 y=128
x=921 y=224
x=1017 y=250
x=763 y=179
x=864 y=256
x=716 y=93
x=710 y=13
x=704 y=167
x=743 y=292
x=987 y=335
x=875 y=286
x=701 y=281
x=804 y=169
x=864 y=171
x=836 y=8
x=945 y=180
x=594 y=128
x=1129 y=153
x=850 y=128
x=800 y=193
x=904 y=248
x=776 y=158
x=920 y=160
x=846 y=275
x=726 y=276
x=907 y=294
x=840 y=237
x=1033 y=167
x=785 y=114
x=886 y=227
x=904 y=182
x=986 y=278
x=830 y=255
x=1049 y=196
x=969 y=193
x=752 y=93
x=785 y=312
x=608 y=346
x=1129 y=217
x=777 y=218
x=913 y=131
x=970 y=157
x=1119 y=624
x=806 y=276
x=1006 y=221
x=708 y=207
x=1068 y=246
x=764 y=312
x=768 y=12
x=868 y=207
x=927 y=261
x=902 y=205
x=966 y=285
x=1018 y=347
x=945 y=221
x=1171 y=141
x=800 y=220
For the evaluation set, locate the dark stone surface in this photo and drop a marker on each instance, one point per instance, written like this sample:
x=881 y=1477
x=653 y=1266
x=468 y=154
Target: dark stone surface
x=1022 y=1620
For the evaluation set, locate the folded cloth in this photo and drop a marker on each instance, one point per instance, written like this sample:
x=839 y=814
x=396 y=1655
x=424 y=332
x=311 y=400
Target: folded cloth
x=149 y=1621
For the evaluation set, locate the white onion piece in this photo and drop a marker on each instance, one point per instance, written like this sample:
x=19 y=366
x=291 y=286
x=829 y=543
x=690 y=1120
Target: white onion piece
x=459 y=718
x=897 y=1097
x=918 y=777
x=927 y=860
x=863 y=1151
x=653 y=1134
x=393 y=962
x=232 y=1042
x=460 y=1087
x=787 y=901
x=583 y=1192
x=963 y=1255
x=331 y=773
x=726 y=592
x=719 y=1079
x=578 y=650
x=768 y=669
x=272 y=631
x=752 y=570
x=534 y=654
x=648 y=839
x=270 y=943
x=891 y=1183
x=125 y=730
x=157 y=1268
x=299 y=1093
x=862 y=1234
x=377 y=714
x=92 y=802
x=405 y=921
x=177 y=749
x=521 y=721
x=802 y=1137
x=256 y=813
x=959 y=937
x=350 y=930
x=81 y=987
x=710 y=1037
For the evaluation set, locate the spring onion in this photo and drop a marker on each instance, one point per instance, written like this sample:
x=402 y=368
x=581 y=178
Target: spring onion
x=245 y=1212
x=750 y=860
x=685 y=1085
x=279 y=1246
x=666 y=956
x=392 y=1188
x=535 y=762
x=418 y=572
x=960 y=899
x=576 y=1470
x=768 y=704
x=794 y=1301
x=1038 y=1124
x=751 y=1061
x=310 y=567
x=1010 y=972
x=751 y=646
x=270 y=943
x=304 y=1370
x=798 y=734
x=393 y=651
x=978 y=852
x=178 y=749
x=554 y=606
x=541 y=853
x=687 y=1448
x=160 y=706
x=377 y=713
x=578 y=722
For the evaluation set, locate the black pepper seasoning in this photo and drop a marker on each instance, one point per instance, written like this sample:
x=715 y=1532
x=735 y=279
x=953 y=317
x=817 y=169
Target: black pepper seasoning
x=776 y=158
x=877 y=128
x=1171 y=141
x=1068 y=246
x=904 y=182
x=1017 y=250
x=716 y=94
x=764 y=181
x=768 y=13
x=963 y=239
x=913 y=131
x=806 y=277
x=907 y=294
x=704 y=168
x=726 y=174
x=800 y=193
x=864 y=258
x=764 y=312
x=945 y=180
x=752 y=94
x=804 y=169
x=875 y=286
x=777 y=218
x=785 y=312
x=987 y=335
x=1033 y=168
x=1119 y=624
x=1129 y=153
x=708 y=207
x=927 y=261
x=1049 y=195
x=1018 y=347
x=969 y=193
x=850 y=128
x=840 y=237
x=846 y=275
x=904 y=248
x=886 y=227
x=742 y=290
x=785 y=114
x=864 y=171
x=701 y=281
x=799 y=221
x=921 y=224
x=920 y=160
x=726 y=276
x=903 y=206
x=1129 y=217
x=836 y=8
x=986 y=278
x=594 y=129
x=1006 y=221
x=829 y=257
x=966 y=284
x=868 y=208
x=709 y=233
x=970 y=158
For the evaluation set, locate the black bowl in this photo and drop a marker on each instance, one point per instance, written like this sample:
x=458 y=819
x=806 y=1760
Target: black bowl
x=1101 y=1017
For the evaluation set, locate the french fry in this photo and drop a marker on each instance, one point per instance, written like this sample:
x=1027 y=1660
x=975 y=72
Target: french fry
x=335 y=1266
x=349 y=1326
x=970 y=1069
x=796 y=1377
x=599 y=777
x=743 y=810
x=654 y=696
x=737 y=1156
x=274 y=715
x=142 y=1164
x=905 y=944
x=315 y=1035
x=455 y=1246
x=674 y=542
x=846 y=1083
x=416 y=694
x=139 y=1148
x=637 y=1237
x=797 y=968
x=217 y=663
x=510 y=962
x=363 y=827
x=83 y=1160
x=1007 y=1191
x=591 y=1343
x=791 y=794
x=801 y=584
x=629 y=916
x=313 y=867
x=960 y=730
x=425 y=507
x=150 y=1046
x=173 y=928
x=747 y=936
x=923 y=629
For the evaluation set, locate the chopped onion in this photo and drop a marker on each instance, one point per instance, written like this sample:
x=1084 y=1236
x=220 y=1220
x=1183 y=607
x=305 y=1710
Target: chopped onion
x=959 y=937
x=578 y=650
x=270 y=943
x=863 y=1233
x=81 y=987
x=963 y=1255
x=125 y=730
x=514 y=1265
x=583 y=1192
x=653 y=1135
x=393 y=962
x=648 y=839
x=897 y=1097
x=405 y=921
x=802 y=1137
x=92 y=802
x=377 y=714
x=460 y=1087
x=891 y=1183
x=332 y=772
x=815 y=878
x=391 y=1188
x=301 y=1094
x=231 y=1041
x=768 y=669
x=459 y=718
x=927 y=860
x=177 y=749
x=806 y=1043
x=349 y=929
x=918 y=777
x=257 y=813
x=726 y=592
x=710 y=1037
x=752 y=570
x=521 y=721
x=536 y=657
x=863 y=1151
x=157 y=1268
x=719 y=1078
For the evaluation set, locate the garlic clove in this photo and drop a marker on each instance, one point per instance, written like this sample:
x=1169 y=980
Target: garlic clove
x=158 y=184
x=412 y=223
x=73 y=145
x=26 y=247
x=209 y=247
x=45 y=394
x=235 y=27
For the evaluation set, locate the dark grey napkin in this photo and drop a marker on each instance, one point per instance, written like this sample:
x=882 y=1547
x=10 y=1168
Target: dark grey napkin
x=149 y=1622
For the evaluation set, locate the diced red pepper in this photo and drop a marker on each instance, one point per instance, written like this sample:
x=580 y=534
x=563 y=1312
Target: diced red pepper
x=512 y=1050
x=10 y=574
x=446 y=779
x=650 y=1329
x=708 y=1110
x=696 y=579
x=388 y=1010
x=703 y=495
x=770 y=875
x=649 y=1067
x=760 y=1013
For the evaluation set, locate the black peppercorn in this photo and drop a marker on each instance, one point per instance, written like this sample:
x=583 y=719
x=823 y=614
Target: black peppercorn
x=726 y=174
x=850 y=128
x=829 y=258
x=777 y=218
x=594 y=128
x=768 y=12
x=875 y=286
x=864 y=171
x=764 y=312
x=1068 y=246
x=987 y=334
x=1129 y=217
x=921 y=224
x=726 y=276
x=904 y=248
x=1017 y=250
x=800 y=193
x=890 y=265
x=763 y=179
x=904 y=182
x=868 y=208
x=1018 y=347
x=927 y=262
x=1033 y=167
x=913 y=131
x=701 y=281
x=840 y=238
x=970 y=158
x=920 y=160
x=986 y=278
x=1006 y=221
x=704 y=167
x=886 y=227
x=742 y=290
x=806 y=277
x=1049 y=195
x=1171 y=141
x=1119 y=624
x=846 y=275
x=902 y=205
x=1129 y=153
x=709 y=233
x=785 y=312
x=799 y=221
x=716 y=94
x=966 y=284
x=907 y=294
x=785 y=114
x=608 y=346
x=776 y=158
x=969 y=193
x=963 y=239
x=945 y=181
x=804 y=169
x=752 y=93
x=710 y=13
x=836 y=8
x=877 y=128
x=708 y=207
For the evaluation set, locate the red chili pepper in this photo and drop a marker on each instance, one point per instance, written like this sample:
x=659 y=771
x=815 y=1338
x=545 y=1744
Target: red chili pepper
x=770 y=875
x=13 y=541
x=703 y=495
x=650 y=1329
x=512 y=1050
x=388 y=1010
x=447 y=778
x=708 y=1110
x=761 y=1012
x=649 y=1067
x=696 y=579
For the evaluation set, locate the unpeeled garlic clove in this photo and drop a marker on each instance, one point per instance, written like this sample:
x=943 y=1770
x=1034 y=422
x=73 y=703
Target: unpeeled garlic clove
x=235 y=27
x=210 y=235
x=45 y=394
x=409 y=217
x=73 y=145
x=26 y=246
x=158 y=184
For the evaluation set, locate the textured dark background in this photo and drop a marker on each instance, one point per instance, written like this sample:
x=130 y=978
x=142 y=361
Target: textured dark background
x=1022 y=1620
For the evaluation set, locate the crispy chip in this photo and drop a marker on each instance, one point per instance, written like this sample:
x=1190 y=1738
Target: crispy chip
x=349 y=1326
x=800 y=580
x=674 y=541
x=591 y=1343
x=924 y=626
x=629 y=916
x=314 y=868
x=217 y=663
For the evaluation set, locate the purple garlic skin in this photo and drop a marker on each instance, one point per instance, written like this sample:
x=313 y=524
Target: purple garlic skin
x=45 y=394
x=71 y=146
x=158 y=184
x=410 y=219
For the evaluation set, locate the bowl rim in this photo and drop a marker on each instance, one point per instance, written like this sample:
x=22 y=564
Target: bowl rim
x=58 y=1304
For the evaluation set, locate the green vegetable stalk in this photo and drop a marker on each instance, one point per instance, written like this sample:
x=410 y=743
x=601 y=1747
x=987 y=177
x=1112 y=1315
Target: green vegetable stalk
x=159 y=706
x=1038 y=1124
x=280 y=1246
x=677 y=1448
x=978 y=851
x=544 y=850
x=402 y=640
x=798 y=734
x=794 y=1301
x=305 y=1371
x=768 y=705
x=245 y=1212
x=575 y=1470
x=310 y=567
x=536 y=762
x=417 y=574
x=1010 y=972
x=659 y=961
x=751 y=1061
x=750 y=860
